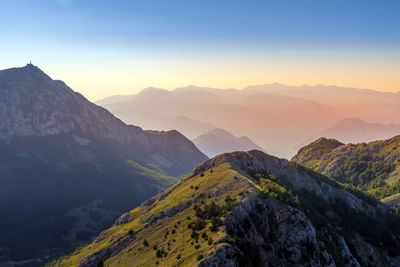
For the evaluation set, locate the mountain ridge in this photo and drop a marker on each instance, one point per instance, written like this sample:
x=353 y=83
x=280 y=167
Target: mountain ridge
x=373 y=167
x=236 y=209
x=278 y=118
x=82 y=120
x=353 y=130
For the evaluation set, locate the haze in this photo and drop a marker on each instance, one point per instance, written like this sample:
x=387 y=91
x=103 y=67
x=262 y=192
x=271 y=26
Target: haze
x=104 y=48
x=277 y=117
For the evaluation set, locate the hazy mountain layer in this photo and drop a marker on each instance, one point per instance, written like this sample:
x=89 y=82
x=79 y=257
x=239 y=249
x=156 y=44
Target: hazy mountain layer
x=366 y=104
x=267 y=119
x=218 y=141
x=355 y=130
x=69 y=167
x=276 y=117
x=249 y=209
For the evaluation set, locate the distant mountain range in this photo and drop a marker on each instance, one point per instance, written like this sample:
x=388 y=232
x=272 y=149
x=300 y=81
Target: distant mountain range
x=68 y=167
x=218 y=141
x=248 y=209
x=275 y=116
x=355 y=130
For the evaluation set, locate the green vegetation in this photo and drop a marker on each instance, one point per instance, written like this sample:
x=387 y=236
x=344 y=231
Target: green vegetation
x=199 y=257
x=367 y=171
x=372 y=168
x=182 y=226
x=181 y=237
x=385 y=191
x=376 y=229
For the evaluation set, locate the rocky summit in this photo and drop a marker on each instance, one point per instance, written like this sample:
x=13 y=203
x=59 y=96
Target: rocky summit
x=249 y=209
x=68 y=167
x=32 y=104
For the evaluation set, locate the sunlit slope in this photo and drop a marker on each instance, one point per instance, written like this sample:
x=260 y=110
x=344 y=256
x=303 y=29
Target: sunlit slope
x=247 y=209
x=374 y=166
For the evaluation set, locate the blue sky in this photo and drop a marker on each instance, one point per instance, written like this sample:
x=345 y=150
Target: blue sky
x=128 y=39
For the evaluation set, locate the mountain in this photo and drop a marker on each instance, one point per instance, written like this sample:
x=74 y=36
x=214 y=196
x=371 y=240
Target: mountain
x=113 y=99
x=366 y=104
x=218 y=141
x=276 y=116
x=249 y=209
x=148 y=119
x=188 y=127
x=373 y=167
x=356 y=130
x=276 y=122
x=68 y=167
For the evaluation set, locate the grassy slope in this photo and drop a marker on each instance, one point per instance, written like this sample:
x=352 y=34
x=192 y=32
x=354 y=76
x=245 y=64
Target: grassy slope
x=154 y=227
x=373 y=167
x=223 y=179
x=311 y=154
x=392 y=199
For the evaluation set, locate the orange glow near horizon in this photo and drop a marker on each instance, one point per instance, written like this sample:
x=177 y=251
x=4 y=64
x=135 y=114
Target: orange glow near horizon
x=100 y=83
x=127 y=73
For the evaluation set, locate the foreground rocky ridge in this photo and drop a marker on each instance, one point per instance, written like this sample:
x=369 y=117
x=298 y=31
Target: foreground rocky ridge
x=249 y=209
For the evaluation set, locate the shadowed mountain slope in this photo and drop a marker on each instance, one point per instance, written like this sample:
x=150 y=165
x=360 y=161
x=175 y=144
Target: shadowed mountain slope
x=64 y=159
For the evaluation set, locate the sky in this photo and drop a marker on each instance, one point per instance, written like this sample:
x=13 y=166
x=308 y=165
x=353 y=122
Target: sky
x=108 y=47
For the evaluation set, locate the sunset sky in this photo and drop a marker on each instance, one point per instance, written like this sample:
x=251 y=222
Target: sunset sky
x=108 y=47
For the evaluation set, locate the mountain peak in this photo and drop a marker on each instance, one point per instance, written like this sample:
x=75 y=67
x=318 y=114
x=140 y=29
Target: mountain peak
x=152 y=90
x=23 y=78
x=35 y=105
x=352 y=122
x=221 y=133
x=327 y=142
x=316 y=149
x=27 y=69
x=253 y=160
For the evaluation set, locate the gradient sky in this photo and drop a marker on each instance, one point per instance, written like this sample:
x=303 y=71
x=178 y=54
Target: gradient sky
x=108 y=47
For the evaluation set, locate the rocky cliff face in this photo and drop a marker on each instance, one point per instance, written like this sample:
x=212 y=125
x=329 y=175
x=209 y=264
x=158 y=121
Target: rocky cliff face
x=248 y=209
x=68 y=166
x=272 y=234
